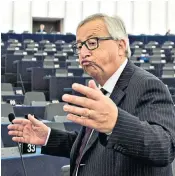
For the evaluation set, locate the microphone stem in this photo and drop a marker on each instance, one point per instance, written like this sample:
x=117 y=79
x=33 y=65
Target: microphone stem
x=20 y=152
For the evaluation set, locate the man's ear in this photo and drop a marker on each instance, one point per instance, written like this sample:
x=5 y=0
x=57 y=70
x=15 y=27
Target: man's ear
x=122 y=48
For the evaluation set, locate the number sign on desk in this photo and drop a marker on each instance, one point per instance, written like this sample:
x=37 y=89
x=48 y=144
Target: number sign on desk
x=27 y=148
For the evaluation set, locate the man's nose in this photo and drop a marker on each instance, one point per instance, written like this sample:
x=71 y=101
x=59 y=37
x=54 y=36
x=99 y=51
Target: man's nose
x=84 y=52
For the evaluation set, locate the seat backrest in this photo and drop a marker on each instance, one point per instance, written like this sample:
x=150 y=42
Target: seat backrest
x=6 y=109
x=61 y=72
x=48 y=64
x=65 y=170
x=54 y=109
x=7 y=89
x=33 y=96
x=173 y=166
x=2 y=144
x=168 y=74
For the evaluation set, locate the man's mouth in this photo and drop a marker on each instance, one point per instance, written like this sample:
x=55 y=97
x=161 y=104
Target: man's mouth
x=85 y=62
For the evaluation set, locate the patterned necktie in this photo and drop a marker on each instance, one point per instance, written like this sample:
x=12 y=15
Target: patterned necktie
x=86 y=137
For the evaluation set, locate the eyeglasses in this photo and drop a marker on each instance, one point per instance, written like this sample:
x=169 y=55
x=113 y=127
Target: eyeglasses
x=91 y=44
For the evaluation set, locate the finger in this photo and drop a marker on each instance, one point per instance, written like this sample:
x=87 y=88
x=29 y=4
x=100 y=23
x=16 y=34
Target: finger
x=82 y=121
x=21 y=121
x=15 y=133
x=87 y=91
x=78 y=111
x=80 y=101
x=33 y=120
x=17 y=127
x=19 y=139
x=92 y=85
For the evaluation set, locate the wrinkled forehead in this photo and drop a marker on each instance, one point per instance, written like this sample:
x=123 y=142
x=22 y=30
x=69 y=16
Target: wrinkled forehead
x=94 y=28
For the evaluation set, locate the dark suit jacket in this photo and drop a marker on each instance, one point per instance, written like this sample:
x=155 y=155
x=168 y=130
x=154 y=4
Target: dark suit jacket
x=143 y=140
x=39 y=30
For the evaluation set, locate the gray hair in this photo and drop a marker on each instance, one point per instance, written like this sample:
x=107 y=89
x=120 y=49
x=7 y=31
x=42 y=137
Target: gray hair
x=115 y=26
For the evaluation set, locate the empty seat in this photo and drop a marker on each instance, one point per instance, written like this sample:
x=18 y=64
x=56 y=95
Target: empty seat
x=49 y=58
x=167 y=47
x=49 y=45
x=11 y=50
x=44 y=42
x=157 y=51
x=72 y=58
x=39 y=103
x=74 y=63
x=11 y=31
x=168 y=74
x=135 y=59
x=20 y=52
x=168 y=43
x=153 y=43
x=169 y=66
x=28 y=41
x=60 y=42
x=147 y=46
x=173 y=165
x=54 y=109
x=50 y=51
x=173 y=51
x=136 y=44
x=7 y=89
x=139 y=51
x=40 y=53
x=156 y=59
x=29 y=58
x=12 y=41
x=15 y=45
x=61 y=72
x=147 y=66
x=33 y=96
x=49 y=64
x=65 y=170
x=67 y=46
x=31 y=50
x=61 y=55
x=2 y=144
x=69 y=51
x=6 y=109
x=32 y=45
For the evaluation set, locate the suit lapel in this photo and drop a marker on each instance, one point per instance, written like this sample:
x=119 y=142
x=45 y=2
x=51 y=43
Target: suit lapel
x=76 y=145
x=117 y=95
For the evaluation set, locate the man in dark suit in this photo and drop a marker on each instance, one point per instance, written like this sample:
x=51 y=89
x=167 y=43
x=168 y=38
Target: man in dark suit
x=128 y=130
x=42 y=28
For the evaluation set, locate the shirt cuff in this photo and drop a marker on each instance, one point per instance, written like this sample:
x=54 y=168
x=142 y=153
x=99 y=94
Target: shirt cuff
x=48 y=135
x=108 y=133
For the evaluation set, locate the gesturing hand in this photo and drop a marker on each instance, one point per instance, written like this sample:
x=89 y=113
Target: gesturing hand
x=30 y=131
x=97 y=111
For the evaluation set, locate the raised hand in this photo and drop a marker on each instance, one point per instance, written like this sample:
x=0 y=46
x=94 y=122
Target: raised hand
x=28 y=130
x=97 y=111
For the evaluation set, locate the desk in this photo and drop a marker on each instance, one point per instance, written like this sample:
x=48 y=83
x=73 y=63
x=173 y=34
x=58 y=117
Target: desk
x=19 y=99
x=37 y=76
x=38 y=37
x=36 y=165
x=20 y=111
x=57 y=85
x=69 y=38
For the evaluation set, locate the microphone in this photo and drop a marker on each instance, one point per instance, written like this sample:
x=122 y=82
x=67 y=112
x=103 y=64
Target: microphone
x=11 y=117
x=51 y=29
x=22 y=84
